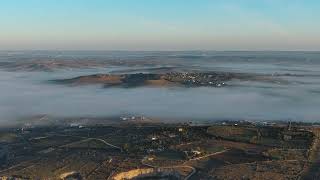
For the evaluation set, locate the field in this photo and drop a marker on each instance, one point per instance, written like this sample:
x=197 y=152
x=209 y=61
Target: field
x=173 y=151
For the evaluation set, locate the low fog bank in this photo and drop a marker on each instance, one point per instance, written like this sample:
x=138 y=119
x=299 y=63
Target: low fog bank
x=25 y=94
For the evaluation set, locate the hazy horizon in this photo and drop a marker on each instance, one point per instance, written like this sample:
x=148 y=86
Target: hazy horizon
x=26 y=90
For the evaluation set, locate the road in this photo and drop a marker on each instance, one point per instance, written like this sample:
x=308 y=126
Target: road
x=20 y=164
x=171 y=167
x=88 y=139
x=208 y=155
x=184 y=165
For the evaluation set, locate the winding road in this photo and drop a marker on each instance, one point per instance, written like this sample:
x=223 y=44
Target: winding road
x=172 y=167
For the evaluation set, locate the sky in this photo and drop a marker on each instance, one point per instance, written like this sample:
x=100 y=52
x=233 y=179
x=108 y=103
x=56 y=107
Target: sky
x=159 y=25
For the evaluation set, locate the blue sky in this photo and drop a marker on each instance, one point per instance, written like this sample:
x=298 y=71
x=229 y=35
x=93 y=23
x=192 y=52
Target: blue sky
x=160 y=24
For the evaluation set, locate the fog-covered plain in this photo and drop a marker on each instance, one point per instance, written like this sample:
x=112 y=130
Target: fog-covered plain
x=29 y=93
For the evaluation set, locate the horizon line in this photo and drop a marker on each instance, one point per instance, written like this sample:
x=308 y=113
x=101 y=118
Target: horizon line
x=128 y=50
